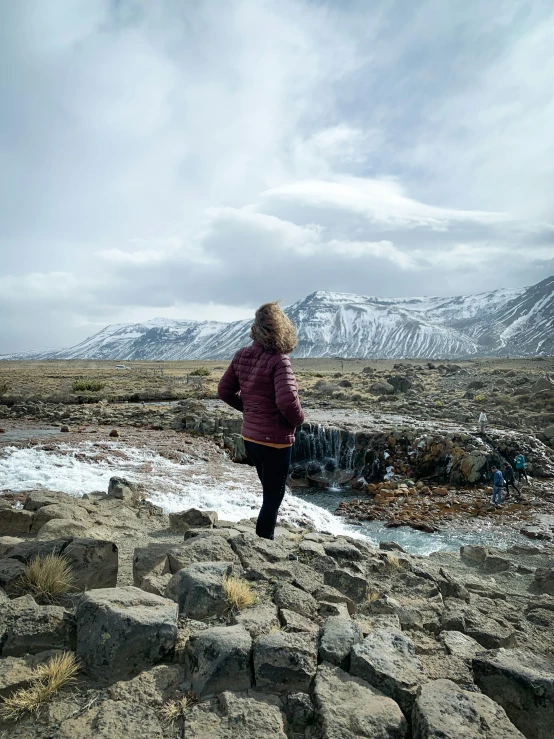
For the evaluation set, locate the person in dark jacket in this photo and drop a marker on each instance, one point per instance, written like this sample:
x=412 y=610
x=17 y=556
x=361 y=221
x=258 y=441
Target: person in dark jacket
x=509 y=479
x=497 y=485
x=260 y=383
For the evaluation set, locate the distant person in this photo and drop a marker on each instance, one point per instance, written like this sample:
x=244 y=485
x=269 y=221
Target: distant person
x=519 y=462
x=260 y=383
x=483 y=421
x=509 y=479
x=497 y=485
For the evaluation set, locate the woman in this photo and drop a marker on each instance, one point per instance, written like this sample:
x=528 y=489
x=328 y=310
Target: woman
x=260 y=383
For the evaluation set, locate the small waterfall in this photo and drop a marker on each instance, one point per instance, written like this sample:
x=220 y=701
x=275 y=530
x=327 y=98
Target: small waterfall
x=333 y=448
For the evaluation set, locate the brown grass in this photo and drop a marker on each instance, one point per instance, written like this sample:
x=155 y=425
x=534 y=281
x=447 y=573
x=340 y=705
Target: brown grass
x=372 y=596
x=46 y=680
x=239 y=593
x=47 y=577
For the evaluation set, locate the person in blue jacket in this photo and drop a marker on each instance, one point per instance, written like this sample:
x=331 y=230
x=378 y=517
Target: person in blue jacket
x=519 y=462
x=497 y=485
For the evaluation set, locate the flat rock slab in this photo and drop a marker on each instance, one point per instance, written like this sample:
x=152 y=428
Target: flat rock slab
x=353 y=585
x=27 y=628
x=113 y=719
x=218 y=659
x=294 y=622
x=122 y=630
x=234 y=716
x=289 y=597
x=523 y=684
x=460 y=645
x=261 y=619
x=444 y=711
x=387 y=660
x=199 y=549
x=349 y=708
x=285 y=662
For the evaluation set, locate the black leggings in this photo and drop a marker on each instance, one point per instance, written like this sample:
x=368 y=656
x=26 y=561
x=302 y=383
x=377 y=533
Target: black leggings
x=272 y=466
x=521 y=473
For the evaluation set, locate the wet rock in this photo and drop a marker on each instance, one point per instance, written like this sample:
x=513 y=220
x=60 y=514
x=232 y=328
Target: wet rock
x=293 y=599
x=192 y=518
x=350 y=708
x=27 y=628
x=523 y=684
x=122 y=630
x=387 y=660
x=198 y=589
x=337 y=639
x=218 y=659
x=285 y=662
x=443 y=710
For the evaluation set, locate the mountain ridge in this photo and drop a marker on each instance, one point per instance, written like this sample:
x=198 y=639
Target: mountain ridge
x=503 y=322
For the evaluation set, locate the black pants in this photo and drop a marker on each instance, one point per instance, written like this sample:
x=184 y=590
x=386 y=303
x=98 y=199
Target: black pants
x=508 y=483
x=520 y=473
x=272 y=466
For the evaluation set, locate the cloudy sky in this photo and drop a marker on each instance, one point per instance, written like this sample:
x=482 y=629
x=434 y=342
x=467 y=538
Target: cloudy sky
x=193 y=159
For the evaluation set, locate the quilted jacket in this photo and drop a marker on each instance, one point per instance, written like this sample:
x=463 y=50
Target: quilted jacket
x=262 y=385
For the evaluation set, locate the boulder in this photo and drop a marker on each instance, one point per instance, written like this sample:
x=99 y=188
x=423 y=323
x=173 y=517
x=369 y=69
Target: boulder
x=27 y=628
x=444 y=711
x=94 y=563
x=252 y=716
x=10 y=572
x=293 y=599
x=25 y=551
x=353 y=585
x=121 y=630
x=399 y=383
x=198 y=589
x=387 y=660
x=381 y=388
x=149 y=560
x=192 y=518
x=36 y=499
x=258 y=620
x=295 y=622
x=327 y=594
x=121 y=489
x=156 y=584
x=337 y=639
x=59 y=510
x=254 y=552
x=59 y=528
x=544 y=579
x=350 y=708
x=285 y=662
x=342 y=550
x=460 y=645
x=299 y=710
x=218 y=659
x=523 y=684
x=495 y=563
x=199 y=549
x=15 y=522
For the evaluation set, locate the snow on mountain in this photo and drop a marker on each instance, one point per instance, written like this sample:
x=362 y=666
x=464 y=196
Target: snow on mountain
x=514 y=322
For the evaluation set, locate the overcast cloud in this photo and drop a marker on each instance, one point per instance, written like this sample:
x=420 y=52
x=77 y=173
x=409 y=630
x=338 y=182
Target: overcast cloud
x=191 y=160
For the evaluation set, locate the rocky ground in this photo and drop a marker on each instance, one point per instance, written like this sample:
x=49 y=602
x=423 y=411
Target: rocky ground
x=342 y=639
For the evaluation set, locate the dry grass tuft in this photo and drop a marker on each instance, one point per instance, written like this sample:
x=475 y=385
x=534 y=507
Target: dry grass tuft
x=174 y=710
x=393 y=563
x=46 y=680
x=372 y=596
x=88 y=386
x=239 y=593
x=47 y=577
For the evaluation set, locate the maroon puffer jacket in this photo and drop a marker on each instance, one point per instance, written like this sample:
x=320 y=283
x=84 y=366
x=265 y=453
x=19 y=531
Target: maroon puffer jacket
x=262 y=385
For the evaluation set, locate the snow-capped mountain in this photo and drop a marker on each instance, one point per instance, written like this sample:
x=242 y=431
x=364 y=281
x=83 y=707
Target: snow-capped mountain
x=505 y=322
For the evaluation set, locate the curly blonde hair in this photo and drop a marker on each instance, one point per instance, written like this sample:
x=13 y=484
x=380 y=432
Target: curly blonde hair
x=273 y=329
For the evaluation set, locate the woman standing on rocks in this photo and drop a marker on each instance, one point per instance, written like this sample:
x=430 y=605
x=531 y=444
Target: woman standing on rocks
x=260 y=383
